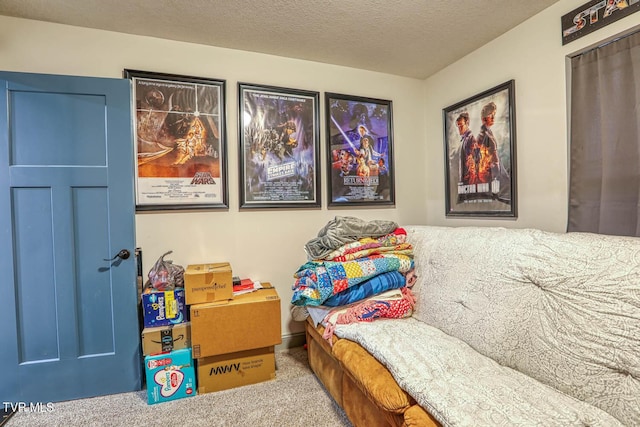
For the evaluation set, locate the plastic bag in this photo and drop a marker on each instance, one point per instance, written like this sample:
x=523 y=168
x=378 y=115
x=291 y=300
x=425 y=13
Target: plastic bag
x=164 y=276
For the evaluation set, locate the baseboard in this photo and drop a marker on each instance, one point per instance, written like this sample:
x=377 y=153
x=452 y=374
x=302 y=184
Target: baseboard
x=5 y=414
x=291 y=341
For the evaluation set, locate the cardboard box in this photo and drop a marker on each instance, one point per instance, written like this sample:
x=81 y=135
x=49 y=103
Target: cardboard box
x=208 y=282
x=170 y=376
x=226 y=371
x=166 y=338
x=164 y=308
x=247 y=322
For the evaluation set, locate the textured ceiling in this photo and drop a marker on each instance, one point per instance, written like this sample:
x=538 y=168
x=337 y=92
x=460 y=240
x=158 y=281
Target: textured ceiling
x=413 y=38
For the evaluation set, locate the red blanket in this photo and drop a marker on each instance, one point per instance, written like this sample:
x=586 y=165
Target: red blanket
x=394 y=304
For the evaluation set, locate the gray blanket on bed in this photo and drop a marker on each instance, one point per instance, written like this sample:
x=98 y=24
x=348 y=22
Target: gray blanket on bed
x=342 y=230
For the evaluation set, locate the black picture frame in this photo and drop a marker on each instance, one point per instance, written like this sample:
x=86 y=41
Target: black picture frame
x=279 y=146
x=360 y=164
x=481 y=175
x=180 y=141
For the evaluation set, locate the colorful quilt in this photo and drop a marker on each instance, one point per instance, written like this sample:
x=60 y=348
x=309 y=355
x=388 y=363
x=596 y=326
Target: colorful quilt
x=376 y=285
x=369 y=249
x=393 y=304
x=367 y=246
x=317 y=281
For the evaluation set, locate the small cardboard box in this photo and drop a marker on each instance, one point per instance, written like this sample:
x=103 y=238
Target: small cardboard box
x=166 y=338
x=170 y=376
x=208 y=282
x=247 y=322
x=226 y=371
x=164 y=308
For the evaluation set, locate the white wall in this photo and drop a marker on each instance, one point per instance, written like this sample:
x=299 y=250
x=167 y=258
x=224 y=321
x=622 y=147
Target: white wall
x=265 y=245
x=533 y=55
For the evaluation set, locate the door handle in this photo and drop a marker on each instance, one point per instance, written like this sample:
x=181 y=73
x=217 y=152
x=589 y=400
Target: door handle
x=123 y=254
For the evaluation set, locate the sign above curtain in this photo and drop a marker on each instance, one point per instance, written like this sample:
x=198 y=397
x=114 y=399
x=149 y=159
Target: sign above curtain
x=594 y=15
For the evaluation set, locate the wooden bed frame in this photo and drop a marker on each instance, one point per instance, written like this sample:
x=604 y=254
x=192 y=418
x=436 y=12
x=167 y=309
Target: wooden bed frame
x=361 y=385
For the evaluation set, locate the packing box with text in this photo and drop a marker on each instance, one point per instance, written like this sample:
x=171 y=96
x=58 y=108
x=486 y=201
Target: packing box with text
x=226 y=371
x=164 y=308
x=208 y=282
x=166 y=338
x=246 y=322
x=170 y=376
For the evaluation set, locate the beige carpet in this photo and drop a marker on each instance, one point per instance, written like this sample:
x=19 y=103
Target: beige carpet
x=294 y=398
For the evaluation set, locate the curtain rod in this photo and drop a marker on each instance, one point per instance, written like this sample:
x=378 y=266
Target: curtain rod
x=606 y=42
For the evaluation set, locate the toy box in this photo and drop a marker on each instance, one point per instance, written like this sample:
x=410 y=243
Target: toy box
x=164 y=308
x=170 y=376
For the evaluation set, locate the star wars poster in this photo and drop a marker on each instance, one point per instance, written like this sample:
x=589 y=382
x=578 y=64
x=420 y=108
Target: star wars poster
x=180 y=141
x=480 y=154
x=279 y=147
x=594 y=15
x=360 y=142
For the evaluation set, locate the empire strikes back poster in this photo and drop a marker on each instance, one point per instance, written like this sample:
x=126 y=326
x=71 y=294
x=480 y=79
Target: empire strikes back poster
x=280 y=141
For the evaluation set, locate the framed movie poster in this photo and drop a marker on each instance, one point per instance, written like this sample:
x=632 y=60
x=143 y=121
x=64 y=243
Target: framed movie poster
x=360 y=151
x=279 y=146
x=480 y=154
x=180 y=141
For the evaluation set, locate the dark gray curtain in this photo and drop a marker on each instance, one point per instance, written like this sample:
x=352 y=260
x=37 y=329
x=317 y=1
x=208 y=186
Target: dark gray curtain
x=604 y=187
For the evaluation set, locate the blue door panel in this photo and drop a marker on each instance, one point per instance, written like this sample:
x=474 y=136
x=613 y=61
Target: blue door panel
x=94 y=297
x=34 y=269
x=51 y=129
x=58 y=177
x=66 y=205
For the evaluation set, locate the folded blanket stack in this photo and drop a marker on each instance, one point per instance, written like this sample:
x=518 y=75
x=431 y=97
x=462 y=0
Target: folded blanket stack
x=357 y=272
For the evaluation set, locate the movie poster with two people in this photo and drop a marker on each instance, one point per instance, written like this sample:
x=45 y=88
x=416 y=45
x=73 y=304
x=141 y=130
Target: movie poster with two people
x=480 y=154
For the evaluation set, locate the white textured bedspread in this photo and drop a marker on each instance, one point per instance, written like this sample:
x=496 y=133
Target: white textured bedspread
x=518 y=327
x=459 y=386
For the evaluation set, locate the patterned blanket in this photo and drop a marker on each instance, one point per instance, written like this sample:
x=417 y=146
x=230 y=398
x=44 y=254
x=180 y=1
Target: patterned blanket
x=392 y=304
x=316 y=281
x=376 y=285
x=367 y=246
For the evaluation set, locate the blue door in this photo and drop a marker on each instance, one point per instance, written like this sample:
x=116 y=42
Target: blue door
x=69 y=317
